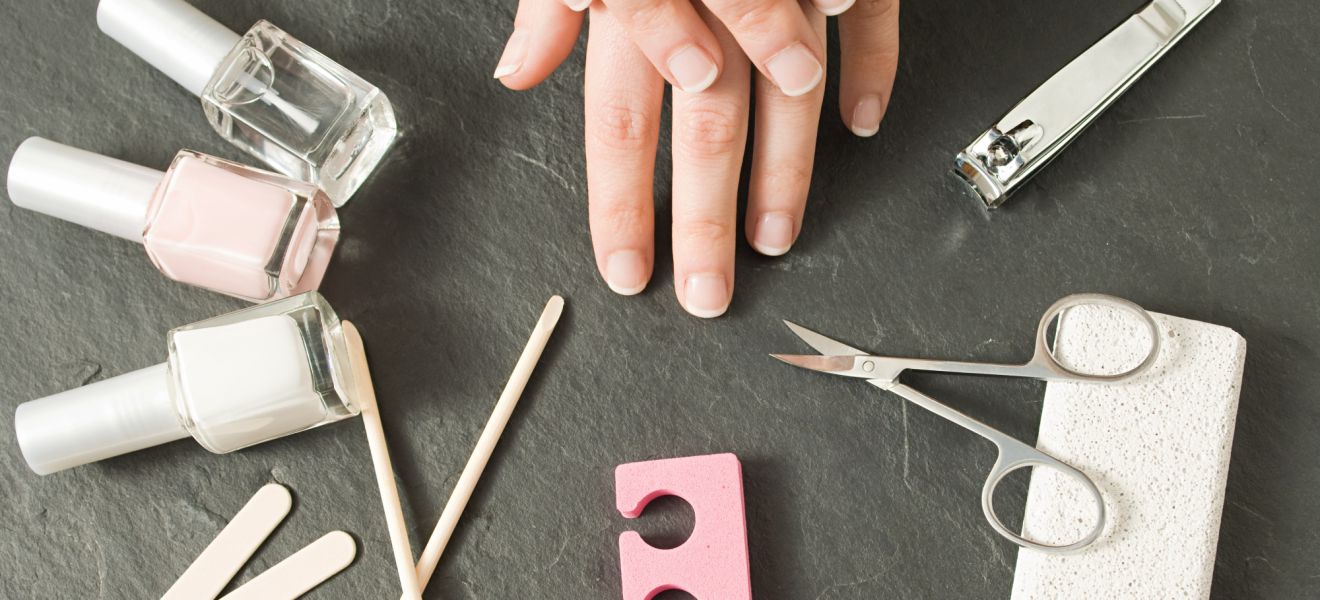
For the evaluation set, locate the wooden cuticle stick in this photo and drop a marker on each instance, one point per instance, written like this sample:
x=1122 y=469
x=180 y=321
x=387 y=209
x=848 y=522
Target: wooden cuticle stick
x=490 y=436
x=380 y=460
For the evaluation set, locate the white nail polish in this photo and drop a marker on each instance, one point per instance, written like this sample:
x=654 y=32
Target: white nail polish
x=230 y=382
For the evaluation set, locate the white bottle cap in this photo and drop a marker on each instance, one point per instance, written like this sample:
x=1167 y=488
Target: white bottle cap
x=82 y=187
x=94 y=422
x=173 y=36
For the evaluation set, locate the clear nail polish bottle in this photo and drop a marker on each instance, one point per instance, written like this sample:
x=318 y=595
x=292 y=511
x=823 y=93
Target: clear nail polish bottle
x=266 y=92
x=231 y=382
x=205 y=221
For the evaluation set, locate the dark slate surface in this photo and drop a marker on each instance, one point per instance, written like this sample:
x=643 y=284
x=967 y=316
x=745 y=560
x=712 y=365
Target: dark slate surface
x=1193 y=196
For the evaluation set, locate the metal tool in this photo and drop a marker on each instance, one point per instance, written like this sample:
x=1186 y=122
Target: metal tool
x=1039 y=127
x=883 y=372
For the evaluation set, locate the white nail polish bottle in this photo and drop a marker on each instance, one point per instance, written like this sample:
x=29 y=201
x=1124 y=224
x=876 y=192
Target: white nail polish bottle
x=232 y=381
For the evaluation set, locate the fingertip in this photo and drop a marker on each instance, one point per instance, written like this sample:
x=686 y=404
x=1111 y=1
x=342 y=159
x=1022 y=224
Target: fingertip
x=693 y=69
x=864 y=120
x=514 y=56
x=622 y=291
x=626 y=272
x=521 y=79
x=833 y=8
x=544 y=34
x=578 y=5
x=706 y=295
x=773 y=233
x=519 y=82
x=796 y=70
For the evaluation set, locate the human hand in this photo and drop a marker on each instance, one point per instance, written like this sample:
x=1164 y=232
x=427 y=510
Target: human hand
x=706 y=50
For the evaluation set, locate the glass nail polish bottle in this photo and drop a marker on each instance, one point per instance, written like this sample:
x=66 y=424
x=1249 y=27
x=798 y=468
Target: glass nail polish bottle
x=205 y=221
x=231 y=382
x=266 y=92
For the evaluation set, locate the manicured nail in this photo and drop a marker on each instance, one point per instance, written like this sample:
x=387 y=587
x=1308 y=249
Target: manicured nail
x=706 y=294
x=866 y=116
x=832 y=8
x=693 y=69
x=578 y=5
x=625 y=272
x=514 y=53
x=774 y=234
x=795 y=70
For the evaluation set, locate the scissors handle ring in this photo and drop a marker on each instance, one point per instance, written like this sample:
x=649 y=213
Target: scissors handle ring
x=1049 y=365
x=1012 y=458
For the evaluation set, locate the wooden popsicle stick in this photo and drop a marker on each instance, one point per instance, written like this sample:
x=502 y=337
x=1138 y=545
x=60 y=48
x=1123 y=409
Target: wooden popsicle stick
x=380 y=460
x=301 y=571
x=212 y=570
x=467 y=482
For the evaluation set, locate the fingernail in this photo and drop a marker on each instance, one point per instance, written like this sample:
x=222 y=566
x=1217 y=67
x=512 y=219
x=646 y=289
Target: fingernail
x=866 y=116
x=625 y=272
x=693 y=69
x=832 y=8
x=795 y=70
x=578 y=5
x=774 y=234
x=706 y=295
x=514 y=53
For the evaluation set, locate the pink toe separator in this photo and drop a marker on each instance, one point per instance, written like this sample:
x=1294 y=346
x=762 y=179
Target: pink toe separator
x=712 y=564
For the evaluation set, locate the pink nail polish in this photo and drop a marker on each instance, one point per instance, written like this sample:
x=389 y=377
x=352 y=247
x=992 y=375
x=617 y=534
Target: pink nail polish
x=205 y=221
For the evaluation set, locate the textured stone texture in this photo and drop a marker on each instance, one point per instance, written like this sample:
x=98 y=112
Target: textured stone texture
x=1158 y=446
x=1194 y=195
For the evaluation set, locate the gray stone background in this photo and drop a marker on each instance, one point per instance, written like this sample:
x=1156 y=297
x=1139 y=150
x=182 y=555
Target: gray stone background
x=1194 y=195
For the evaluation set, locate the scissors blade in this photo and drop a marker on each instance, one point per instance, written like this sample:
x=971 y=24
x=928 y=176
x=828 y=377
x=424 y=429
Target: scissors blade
x=821 y=343
x=863 y=367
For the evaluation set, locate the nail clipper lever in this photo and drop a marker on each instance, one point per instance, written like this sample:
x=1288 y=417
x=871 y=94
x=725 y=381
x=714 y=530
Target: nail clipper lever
x=1039 y=127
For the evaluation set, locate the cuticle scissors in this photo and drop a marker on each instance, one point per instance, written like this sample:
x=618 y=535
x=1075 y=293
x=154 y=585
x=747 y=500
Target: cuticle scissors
x=883 y=372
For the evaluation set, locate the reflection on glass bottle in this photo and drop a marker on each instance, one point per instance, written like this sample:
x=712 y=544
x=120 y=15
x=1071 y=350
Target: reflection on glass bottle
x=205 y=221
x=230 y=382
x=266 y=92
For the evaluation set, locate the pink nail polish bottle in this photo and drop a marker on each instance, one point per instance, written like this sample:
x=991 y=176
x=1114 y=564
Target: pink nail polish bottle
x=205 y=221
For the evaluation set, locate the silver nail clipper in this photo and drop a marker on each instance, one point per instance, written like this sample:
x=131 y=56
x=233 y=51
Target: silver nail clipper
x=1039 y=127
